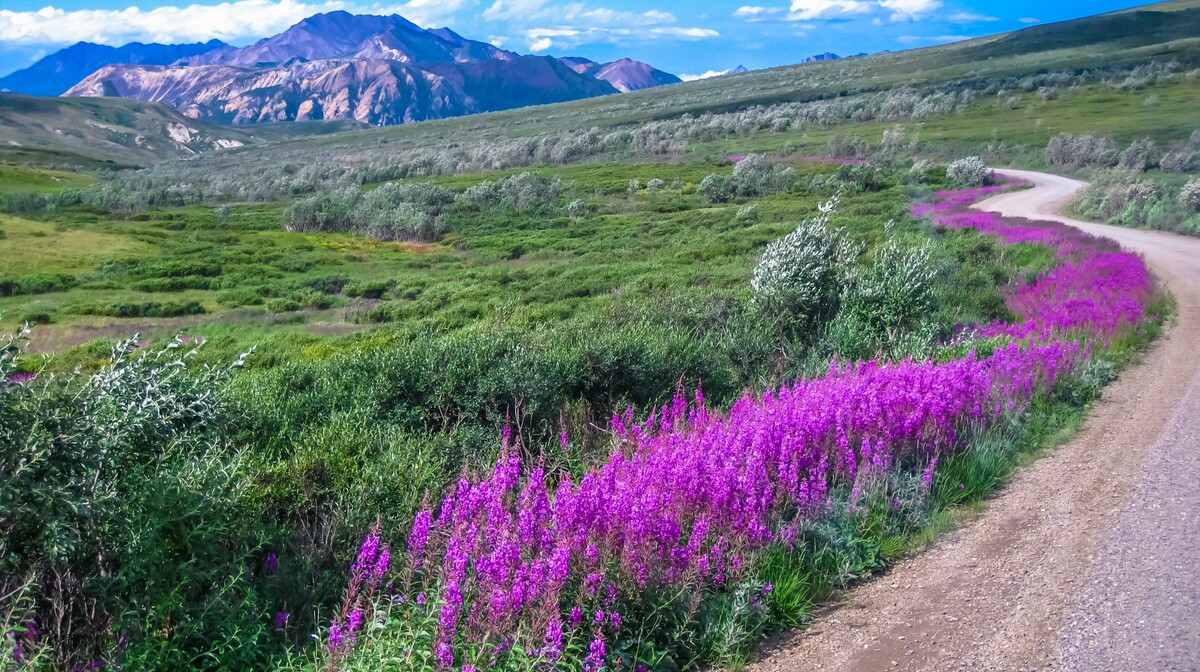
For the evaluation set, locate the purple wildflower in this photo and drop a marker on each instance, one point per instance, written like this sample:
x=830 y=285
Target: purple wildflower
x=596 y=655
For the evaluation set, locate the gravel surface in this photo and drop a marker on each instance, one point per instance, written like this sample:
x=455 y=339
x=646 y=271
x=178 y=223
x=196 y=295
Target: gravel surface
x=1088 y=559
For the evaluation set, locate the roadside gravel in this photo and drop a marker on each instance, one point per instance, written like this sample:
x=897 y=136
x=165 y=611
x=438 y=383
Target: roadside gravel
x=1088 y=559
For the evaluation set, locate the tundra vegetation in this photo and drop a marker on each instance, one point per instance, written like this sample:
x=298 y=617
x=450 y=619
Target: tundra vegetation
x=641 y=391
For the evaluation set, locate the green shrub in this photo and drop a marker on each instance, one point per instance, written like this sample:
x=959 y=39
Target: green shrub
x=368 y=289
x=802 y=275
x=142 y=309
x=173 y=284
x=38 y=283
x=885 y=305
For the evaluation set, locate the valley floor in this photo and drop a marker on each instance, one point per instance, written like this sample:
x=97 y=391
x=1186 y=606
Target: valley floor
x=1088 y=559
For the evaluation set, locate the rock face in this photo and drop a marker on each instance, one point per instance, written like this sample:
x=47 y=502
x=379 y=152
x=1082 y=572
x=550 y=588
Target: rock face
x=821 y=58
x=378 y=92
x=63 y=69
x=374 y=69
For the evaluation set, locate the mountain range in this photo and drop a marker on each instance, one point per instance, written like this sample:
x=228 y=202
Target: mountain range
x=63 y=69
x=377 y=70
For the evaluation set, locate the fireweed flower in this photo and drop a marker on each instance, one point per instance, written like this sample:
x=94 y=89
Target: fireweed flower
x=382 y=563
x=445 y=655
x=596 y=655
x=355 y=621
x=337 y=638
x=271 y=564
x=688 y=495
x=367 y=555
x=281 y=618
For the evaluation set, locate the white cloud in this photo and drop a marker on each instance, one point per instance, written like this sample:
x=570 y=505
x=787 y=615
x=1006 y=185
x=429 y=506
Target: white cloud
x=564 y=26
x=229 y=21
x=909 y=10
x=531 y=11
x=1029 y=20
x=933 y=39
x=684 y=33
x=705 y=75
x=807 y=10
x=544 y=39
x=817 y=10
x=753 y=13
x=513 y=9
x=970 y=17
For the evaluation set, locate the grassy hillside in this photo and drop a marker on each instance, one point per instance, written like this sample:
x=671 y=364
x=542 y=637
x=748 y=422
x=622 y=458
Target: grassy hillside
x=1008 y=92
x=1160 y=32
x=376 y=306
x=116 y=132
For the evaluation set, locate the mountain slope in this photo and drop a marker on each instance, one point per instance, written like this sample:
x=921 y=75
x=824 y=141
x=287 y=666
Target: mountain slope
x=629 y=75
x=106 y=132
x=821 y=58
x=61 y=70
x=377 y=92
x=379 y=70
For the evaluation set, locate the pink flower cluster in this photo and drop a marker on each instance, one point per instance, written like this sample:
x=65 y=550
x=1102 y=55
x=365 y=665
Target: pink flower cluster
x=1095 y=292
x=688 y=495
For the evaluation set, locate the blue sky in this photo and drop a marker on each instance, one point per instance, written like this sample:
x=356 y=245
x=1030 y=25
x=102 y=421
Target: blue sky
x=680 y=36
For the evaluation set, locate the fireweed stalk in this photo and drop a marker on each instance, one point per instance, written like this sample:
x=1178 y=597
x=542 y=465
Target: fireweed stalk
x=522 y=560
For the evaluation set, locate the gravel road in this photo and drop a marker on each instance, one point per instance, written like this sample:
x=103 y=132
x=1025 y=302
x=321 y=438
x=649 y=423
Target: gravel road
x=1088 y=559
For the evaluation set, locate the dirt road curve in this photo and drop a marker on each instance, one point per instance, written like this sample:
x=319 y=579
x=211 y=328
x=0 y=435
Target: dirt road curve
x=1089 y=559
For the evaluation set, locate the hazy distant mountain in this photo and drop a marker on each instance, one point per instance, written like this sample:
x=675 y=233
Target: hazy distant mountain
x=625 y=74
x=374 y=69
x=579 y=64
x=630 y=75
x=63 y=69
x=821 y=58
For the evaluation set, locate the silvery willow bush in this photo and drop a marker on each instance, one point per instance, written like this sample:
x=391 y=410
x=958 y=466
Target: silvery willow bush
x=525 y=192
x=801 y=275
x=753 y=175
x=1141 y=155
x=391 y=212
x=970 y=171
x=124 y=519
x=1087 y=150
x=1189 y=196
x=1184 y=157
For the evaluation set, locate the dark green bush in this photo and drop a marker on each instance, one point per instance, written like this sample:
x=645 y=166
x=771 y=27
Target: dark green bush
x=142 y=309
x=38 y=283
x=368 y=289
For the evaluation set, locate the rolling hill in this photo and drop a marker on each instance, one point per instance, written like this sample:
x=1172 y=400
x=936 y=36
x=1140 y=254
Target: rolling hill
x=115 y=132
